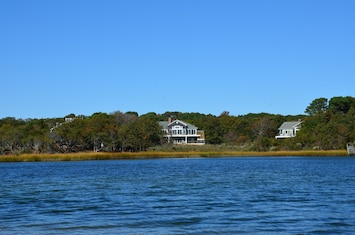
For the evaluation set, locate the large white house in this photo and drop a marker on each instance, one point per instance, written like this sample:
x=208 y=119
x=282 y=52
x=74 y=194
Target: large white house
x=179 y=132
x=288 y=129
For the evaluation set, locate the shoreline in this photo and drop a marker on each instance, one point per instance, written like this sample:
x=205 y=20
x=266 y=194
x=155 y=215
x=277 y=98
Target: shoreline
x=86 y=156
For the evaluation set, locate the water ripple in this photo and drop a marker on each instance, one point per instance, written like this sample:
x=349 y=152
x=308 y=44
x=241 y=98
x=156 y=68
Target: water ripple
x=180 y=196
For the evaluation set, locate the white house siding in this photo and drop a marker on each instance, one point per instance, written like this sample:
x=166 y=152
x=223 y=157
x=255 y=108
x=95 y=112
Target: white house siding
x=288 y=130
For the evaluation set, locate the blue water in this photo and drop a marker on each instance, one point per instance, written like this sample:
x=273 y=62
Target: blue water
x=281 y=195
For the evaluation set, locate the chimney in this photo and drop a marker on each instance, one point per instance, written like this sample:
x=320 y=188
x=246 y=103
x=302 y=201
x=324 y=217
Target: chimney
x=169 y=119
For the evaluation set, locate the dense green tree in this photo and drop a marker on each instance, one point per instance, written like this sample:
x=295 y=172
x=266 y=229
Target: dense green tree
x=66 y=138
x=10 y=139
x=127 y=137
x=102 y=131
x=341 y=104
x=317 y=106
x=213 y=130
x=327 y=131
x=140 y=134
x=35 y=139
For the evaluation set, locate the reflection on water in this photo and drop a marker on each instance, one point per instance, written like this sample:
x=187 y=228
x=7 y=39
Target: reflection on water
x=299 y=195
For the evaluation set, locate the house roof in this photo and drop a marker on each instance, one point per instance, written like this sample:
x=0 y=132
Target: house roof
x=288 y=125
x=165 y=124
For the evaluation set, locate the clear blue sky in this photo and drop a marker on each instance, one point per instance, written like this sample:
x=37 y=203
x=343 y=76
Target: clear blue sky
x=80 y=56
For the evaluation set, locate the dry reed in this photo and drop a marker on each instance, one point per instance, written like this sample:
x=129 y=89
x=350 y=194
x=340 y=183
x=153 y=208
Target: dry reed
x=161 y=154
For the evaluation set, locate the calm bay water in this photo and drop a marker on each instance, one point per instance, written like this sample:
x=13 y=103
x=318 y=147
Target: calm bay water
x=283 y=195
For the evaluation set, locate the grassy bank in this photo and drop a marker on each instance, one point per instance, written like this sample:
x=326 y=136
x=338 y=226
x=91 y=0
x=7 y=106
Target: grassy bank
x=160 y=154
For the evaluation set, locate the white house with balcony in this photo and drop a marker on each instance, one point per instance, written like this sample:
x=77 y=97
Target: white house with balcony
x=179 y=132
x=288 y=130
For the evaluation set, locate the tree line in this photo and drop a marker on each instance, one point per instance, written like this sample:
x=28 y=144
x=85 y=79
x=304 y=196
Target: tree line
x=327 y=124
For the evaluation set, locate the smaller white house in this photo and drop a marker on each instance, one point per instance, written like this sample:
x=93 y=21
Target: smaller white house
x=69 y=119
x=288 y=130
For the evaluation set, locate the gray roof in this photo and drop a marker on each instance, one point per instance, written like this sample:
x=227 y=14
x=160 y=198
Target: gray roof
x=165 y=124
x=288 y=125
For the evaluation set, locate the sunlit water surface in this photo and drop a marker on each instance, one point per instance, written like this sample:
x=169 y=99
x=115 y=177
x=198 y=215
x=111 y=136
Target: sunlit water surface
x=281 y=195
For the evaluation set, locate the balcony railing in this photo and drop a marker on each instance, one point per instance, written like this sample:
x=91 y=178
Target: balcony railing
x=183 y=133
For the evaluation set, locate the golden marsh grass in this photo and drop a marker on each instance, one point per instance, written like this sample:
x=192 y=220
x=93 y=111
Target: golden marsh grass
x=161 y=154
